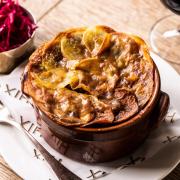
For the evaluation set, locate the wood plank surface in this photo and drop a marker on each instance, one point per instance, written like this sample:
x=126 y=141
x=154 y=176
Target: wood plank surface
x=39 y=7
x=6 y=173
x=134 y=16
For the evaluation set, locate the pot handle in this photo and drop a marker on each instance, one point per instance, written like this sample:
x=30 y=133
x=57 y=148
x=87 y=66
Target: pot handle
x=160 y=110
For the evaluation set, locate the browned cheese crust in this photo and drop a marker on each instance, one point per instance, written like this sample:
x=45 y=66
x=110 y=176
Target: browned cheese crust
x=88 y=76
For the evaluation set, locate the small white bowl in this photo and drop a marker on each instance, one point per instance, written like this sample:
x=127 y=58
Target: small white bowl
x=8 y=59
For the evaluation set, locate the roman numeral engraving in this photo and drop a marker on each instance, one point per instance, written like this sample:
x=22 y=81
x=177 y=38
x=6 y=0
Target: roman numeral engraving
x=23 y=97
x=30 y=126
x=24 y=122
x=170 y=118
x=36 y=129
x=9 y=90
x=170 y=139
x=133 y=161
x=38 y=155
x=16 y=93
x=98 y=174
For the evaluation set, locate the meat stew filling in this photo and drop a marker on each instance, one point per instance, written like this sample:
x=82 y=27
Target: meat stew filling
x=89 y=76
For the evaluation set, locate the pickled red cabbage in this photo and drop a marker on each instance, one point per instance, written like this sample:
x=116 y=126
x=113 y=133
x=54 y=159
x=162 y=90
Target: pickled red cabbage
x=16 y=25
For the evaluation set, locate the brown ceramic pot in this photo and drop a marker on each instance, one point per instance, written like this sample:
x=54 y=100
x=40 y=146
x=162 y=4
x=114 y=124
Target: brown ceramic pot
x=107 y=143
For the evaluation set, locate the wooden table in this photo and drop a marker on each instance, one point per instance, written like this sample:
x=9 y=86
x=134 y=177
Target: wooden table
x=136 y=16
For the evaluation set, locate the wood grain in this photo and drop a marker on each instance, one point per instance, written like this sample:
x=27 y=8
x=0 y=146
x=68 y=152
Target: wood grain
x=6 y=173
x=38 y=7
x=134 y=16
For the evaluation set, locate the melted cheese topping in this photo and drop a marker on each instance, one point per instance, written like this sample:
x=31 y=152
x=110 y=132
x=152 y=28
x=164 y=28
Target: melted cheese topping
x=91 y=75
